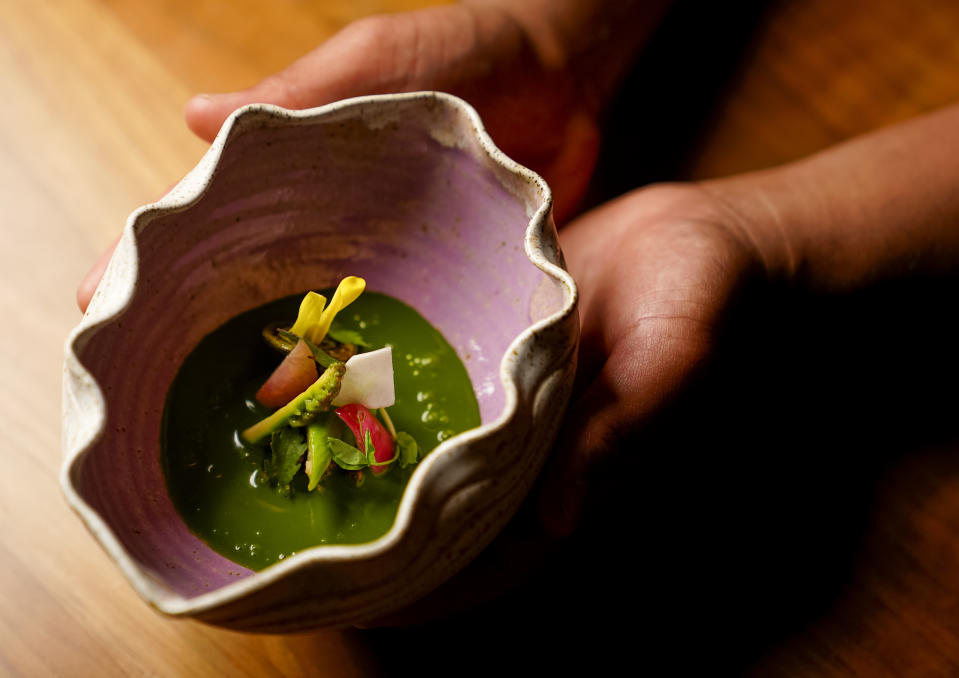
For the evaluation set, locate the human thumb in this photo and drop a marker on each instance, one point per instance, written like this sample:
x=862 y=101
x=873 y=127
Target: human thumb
x=205 y=113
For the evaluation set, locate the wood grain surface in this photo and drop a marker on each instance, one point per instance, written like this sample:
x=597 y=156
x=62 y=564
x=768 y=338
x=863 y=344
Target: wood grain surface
x=91 y=99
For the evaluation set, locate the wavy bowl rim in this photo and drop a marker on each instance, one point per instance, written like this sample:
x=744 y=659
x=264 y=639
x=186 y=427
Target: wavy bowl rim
x=184 y=195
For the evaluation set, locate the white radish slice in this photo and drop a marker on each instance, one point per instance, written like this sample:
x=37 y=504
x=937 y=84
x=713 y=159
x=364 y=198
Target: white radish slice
x=368 y=380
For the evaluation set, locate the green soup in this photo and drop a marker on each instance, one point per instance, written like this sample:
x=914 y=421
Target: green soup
x=212 y=474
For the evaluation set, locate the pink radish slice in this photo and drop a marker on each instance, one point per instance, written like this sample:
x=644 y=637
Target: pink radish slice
x=293 y=376
x=360 y=420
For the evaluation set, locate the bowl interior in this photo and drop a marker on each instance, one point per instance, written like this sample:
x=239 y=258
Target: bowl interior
x=403 y=194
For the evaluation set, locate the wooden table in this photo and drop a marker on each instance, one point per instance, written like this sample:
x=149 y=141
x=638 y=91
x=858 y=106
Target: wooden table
x=91 y=97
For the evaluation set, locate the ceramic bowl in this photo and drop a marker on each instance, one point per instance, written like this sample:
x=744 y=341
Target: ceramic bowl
x=404 y=190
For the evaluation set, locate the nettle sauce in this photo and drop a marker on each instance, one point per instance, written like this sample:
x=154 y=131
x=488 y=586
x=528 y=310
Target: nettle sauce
x=212 y=473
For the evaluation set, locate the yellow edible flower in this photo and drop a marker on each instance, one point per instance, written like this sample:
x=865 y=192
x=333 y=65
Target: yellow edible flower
x=313 y=321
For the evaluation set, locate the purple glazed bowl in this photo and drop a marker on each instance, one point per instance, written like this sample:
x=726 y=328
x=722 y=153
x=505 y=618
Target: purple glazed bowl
x=404 y=190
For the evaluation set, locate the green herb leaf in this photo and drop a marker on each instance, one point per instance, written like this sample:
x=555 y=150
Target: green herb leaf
x=348 y=337
x=318 y=454
x=346 y=456
x=319 y=355
x=287 y=446
x=407 y=449
x=370 y=450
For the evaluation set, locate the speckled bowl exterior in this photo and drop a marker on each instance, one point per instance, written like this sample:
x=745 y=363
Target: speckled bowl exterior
x=404 y=190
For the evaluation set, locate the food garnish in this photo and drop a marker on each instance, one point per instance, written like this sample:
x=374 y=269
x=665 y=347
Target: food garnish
x=324 y=369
